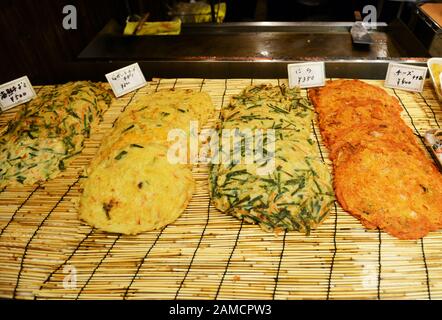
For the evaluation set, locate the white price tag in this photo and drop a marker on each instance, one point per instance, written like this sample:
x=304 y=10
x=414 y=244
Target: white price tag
x=306 y=74
x=126 y=79
x=16 y=92
x=405 y=77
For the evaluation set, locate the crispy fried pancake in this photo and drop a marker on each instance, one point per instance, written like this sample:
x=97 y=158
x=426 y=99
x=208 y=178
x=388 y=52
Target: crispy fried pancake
x=382 y=175
x=180 y=101
x=387 y=188
x=327 y=98
x=352 y=113
x=366 y=134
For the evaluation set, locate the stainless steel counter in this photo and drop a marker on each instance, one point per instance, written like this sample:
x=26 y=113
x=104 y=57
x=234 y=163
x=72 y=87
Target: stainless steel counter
x=258 y=50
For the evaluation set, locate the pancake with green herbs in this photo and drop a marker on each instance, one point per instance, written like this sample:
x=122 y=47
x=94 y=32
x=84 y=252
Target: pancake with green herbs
x=49 y=131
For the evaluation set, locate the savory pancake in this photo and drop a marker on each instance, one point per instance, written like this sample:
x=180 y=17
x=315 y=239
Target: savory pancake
x=268 y=107
x=153 y=116
x=135 y=189
x=286 y=188
x=389 y=189
x=327 y=98
x=365 y=134
x=177 y=101
x=49 y=131
x=141 y=130
x=351 y=113
x=135 y=136
x=296 y=195
x=382 y=175
x=132 y=185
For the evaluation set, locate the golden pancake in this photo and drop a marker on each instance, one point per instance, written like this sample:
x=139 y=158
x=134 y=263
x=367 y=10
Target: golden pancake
x=136 y=189
x=153 y=116
x=173 y=101
x=132 y=186
x=364 y=135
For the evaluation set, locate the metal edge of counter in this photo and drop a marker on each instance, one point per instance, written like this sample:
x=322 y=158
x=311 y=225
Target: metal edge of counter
x=222 y=69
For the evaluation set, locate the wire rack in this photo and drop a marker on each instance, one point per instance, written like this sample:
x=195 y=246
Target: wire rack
x=47 y=253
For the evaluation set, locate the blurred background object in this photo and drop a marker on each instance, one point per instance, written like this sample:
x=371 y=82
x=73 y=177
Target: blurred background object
x=260 y=10
x=198 y=12
x=204 y=38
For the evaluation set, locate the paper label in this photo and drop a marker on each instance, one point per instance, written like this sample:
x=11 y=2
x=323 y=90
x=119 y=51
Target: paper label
x=126 y=79
x=15 y=93
x=306 y=74
x=405 y=77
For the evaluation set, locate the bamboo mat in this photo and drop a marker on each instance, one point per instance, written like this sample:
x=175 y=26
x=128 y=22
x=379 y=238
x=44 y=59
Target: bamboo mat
x=46 y=253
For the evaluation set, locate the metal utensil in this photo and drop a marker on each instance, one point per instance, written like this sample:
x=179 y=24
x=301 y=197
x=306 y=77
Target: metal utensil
x=140 y=23
x=359 y=33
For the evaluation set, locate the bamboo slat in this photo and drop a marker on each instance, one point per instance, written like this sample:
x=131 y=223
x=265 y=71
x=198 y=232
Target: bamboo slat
x=206 y=254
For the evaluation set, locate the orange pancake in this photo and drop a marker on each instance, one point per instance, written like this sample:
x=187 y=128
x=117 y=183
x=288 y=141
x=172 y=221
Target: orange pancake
x=389 y=189
x=364 y=135
x=328 y=97
x=382 y=174
x=352 y=113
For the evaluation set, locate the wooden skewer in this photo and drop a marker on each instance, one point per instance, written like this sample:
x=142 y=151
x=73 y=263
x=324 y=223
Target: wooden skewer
x=141 y=23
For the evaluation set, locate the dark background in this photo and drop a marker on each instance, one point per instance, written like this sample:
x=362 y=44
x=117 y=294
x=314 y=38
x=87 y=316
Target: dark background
x=34 y=43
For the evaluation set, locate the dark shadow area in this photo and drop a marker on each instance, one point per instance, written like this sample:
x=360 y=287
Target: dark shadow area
x=34 y=42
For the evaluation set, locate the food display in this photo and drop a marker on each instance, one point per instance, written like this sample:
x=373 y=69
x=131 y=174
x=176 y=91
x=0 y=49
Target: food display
x=296 y=192
x=221 y=150
x=48 y=132
x=117 y=218
x=131 y=181
x=382 y=175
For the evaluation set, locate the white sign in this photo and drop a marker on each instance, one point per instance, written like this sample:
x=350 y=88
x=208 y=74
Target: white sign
x=126 y=79
x=405 y=77
x=16 y=92
x=306 y=75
